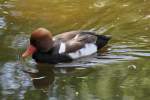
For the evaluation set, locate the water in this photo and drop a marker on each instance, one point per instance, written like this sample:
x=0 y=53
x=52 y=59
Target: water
x=120 y=73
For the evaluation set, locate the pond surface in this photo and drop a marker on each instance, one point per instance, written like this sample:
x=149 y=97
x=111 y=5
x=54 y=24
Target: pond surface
x=120 y=73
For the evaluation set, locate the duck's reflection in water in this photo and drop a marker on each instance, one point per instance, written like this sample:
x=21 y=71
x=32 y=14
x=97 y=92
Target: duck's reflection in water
x=43 y=77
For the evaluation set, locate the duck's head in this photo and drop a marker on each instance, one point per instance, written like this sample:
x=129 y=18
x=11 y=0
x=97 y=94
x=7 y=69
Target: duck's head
x=40 y=40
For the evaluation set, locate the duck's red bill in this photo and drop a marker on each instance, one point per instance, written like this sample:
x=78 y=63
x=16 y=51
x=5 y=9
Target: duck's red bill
x=30 y=50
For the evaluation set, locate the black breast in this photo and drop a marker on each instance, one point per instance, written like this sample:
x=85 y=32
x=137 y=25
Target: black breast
x=51 y=57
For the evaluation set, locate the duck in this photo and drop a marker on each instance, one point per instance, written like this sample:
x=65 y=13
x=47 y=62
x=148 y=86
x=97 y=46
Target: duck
x=64 y=47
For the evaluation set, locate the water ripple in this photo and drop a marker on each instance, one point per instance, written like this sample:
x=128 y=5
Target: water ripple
x=2 y=22
x=115 y=55
x=13 y=79
x=20 y=41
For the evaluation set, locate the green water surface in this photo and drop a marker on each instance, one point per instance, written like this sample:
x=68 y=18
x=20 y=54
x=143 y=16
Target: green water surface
x=121 y=73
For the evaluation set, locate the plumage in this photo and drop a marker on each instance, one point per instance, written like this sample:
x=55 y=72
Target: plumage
x=67 y=46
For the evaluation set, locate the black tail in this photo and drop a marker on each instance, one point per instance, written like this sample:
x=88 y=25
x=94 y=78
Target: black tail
x=101 y=41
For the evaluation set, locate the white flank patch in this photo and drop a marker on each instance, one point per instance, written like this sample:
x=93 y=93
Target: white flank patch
x=89 y=49
x=62 y=48
x=76 y=37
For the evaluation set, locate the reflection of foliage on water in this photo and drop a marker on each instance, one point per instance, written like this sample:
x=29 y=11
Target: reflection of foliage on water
x=14 y=81
x=2 y=1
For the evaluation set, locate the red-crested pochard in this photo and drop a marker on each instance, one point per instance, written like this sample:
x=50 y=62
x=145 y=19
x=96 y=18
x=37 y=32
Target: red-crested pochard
x=64 y=47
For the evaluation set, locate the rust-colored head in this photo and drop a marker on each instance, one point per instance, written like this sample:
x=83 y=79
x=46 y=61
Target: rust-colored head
x=41 y=40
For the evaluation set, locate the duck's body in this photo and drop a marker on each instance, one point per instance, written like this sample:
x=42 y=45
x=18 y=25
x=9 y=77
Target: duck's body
x=71 y=45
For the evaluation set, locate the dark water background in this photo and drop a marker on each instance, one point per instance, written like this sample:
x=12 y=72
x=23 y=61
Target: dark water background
x=121 y=73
